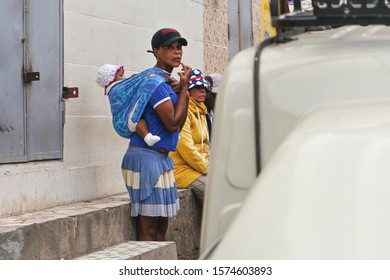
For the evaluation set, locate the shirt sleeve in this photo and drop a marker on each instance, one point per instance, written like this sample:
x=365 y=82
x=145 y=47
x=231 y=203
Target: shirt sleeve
x=160 y=95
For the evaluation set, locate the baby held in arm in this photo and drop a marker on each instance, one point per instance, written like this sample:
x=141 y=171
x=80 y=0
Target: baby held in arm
x=110 y=75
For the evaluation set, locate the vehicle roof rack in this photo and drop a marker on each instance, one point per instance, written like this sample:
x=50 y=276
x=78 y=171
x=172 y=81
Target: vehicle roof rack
x=331 y=13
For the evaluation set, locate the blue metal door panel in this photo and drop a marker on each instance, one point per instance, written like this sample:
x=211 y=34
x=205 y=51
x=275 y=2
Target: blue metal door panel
x=12 y=114
x=44 y=97
x=31 y=112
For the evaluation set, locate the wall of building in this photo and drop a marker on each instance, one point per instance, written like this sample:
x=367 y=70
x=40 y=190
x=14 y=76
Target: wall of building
x=116 y=32
x=97 y=32
x=215 y=18
x=256 y=22
x=215 y=35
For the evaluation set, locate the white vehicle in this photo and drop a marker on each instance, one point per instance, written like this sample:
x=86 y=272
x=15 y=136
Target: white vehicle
x=300 y=163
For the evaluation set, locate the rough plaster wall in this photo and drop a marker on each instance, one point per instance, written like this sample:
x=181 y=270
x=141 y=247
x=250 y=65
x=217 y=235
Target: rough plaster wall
x=216 y=54
x=256 y=23
x=216 y=35
x=97 y=32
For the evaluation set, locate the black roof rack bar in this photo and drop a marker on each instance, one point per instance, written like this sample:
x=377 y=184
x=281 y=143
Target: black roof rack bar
x=331 y=13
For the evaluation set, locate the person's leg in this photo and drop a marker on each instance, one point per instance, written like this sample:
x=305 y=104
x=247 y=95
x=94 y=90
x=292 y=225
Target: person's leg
x=147 y=228
x=198 y=188
x=162 y=227
x=142 y=128
x=143 y=131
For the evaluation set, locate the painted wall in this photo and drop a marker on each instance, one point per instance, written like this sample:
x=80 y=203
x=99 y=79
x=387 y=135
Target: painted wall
x=97 y=32
x=116 y=32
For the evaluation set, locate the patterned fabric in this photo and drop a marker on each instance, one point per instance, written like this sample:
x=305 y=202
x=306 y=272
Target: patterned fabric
x=197 y=79
x=124 y=96
x=150 y=182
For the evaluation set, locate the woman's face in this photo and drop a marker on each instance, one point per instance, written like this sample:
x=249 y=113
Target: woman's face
x=169 y=57
x=198 y=93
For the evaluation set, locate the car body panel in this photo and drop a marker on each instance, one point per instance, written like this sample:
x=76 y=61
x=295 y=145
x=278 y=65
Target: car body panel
x=312 y=70
x=324 y=194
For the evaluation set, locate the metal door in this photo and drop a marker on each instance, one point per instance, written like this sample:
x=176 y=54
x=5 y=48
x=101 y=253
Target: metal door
x=31 y=79
x=240 y=26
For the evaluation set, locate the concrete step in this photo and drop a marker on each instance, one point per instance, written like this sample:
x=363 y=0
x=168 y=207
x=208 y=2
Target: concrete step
x=136 y=250
x=79 y=229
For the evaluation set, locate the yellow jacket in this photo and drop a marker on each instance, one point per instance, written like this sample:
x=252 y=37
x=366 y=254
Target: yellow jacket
x=192 y=154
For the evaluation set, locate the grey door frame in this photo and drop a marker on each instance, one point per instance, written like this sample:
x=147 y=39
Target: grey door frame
x=240 y=26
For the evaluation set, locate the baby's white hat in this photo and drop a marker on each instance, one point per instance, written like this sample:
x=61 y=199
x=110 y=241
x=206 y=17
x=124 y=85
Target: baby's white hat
x=106 y=74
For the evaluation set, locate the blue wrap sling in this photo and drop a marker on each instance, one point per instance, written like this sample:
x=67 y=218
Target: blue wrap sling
x=133 y=92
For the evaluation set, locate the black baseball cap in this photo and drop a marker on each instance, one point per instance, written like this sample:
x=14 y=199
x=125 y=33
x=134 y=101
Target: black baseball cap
x=166 y=36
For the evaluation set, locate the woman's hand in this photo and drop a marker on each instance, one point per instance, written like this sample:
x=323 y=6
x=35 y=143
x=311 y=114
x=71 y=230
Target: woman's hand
x=184 y=76
x=175 y=85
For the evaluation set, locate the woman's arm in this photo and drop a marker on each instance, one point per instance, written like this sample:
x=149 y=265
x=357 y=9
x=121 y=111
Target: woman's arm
x=172 y=117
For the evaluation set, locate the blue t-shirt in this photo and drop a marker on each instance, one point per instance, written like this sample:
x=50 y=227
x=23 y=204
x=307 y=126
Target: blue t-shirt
x=168 y=139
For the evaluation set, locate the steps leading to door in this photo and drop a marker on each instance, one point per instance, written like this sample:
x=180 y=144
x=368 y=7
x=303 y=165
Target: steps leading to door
x=136 y=250
x=79 y=229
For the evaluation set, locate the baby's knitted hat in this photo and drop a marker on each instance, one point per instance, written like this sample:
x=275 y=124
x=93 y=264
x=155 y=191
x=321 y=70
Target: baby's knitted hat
x=106 y=74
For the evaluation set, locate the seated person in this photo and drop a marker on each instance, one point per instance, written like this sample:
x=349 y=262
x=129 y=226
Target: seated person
x=191 y=157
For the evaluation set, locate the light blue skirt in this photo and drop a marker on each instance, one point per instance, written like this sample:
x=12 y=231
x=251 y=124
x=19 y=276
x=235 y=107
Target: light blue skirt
x=150 y=182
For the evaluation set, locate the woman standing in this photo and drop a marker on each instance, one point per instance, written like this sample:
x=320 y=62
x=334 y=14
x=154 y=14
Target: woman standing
x=192 y=155
x=148 y=170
